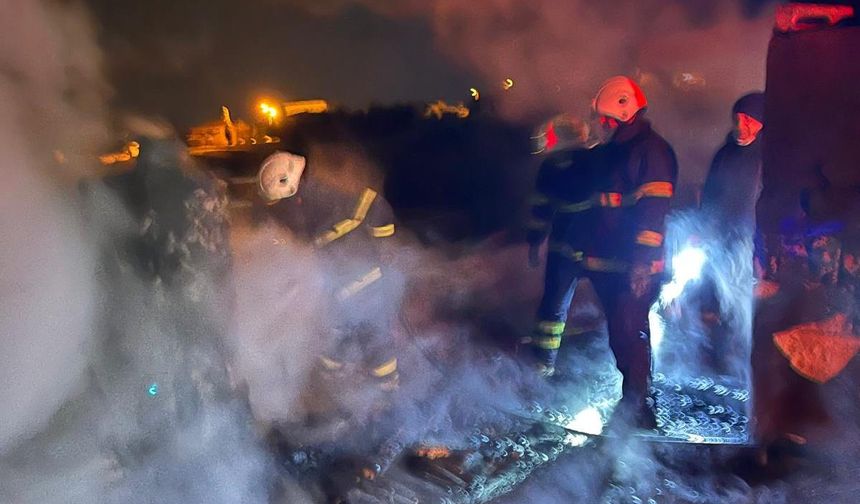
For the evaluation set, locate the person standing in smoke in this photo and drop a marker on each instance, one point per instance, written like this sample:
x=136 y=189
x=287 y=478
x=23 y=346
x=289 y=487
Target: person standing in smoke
x=563 y=180
x=733 y=184
x=617 y=241
x=729 y=197
x=346 y=230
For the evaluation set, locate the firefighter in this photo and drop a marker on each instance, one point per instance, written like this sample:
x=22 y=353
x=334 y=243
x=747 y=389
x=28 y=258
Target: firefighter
x=347 y=230
x=562 y=182
x=564 y=141
x=615 y=240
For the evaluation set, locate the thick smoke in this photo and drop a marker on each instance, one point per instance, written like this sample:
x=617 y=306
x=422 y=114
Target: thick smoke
x=121 y=388
x=114 y=384
x=50 y=88
x=705 y=310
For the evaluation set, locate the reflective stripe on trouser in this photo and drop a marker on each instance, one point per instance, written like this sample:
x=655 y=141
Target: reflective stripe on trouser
x=359 y=333
x=560 y=281
x=385 y=369
x=546 y=341
x=386 y=375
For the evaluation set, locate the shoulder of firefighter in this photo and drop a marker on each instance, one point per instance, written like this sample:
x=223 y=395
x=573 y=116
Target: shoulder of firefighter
x=549 y=192
x=372 y=216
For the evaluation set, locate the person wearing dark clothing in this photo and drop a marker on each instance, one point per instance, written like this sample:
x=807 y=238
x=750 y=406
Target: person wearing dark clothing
x=733 y=184
x=729 y=198
x=563 y=182
x=346 y=230
x=613 y=237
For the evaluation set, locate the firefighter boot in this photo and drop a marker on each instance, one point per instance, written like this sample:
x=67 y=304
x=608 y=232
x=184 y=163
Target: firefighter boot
x=544 y=361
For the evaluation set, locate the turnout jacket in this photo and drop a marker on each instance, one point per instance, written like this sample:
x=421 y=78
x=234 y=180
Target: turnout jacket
x=608 y=208
x=346 y=228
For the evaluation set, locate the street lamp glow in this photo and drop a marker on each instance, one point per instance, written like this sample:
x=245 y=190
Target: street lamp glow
x=269 y=112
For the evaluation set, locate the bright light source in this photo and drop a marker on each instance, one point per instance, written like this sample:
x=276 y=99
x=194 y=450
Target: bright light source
x=269 y=112
x=587 y=421
x=687 y=265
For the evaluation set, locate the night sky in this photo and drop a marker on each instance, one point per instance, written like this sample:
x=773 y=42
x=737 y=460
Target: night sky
x=183 y=59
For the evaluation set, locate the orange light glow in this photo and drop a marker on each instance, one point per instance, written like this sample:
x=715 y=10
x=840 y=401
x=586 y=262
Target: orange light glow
x=269 y=112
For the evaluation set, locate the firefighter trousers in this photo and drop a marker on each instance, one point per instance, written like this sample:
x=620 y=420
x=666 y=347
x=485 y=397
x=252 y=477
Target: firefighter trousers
x=362 y=328
x=626 y=317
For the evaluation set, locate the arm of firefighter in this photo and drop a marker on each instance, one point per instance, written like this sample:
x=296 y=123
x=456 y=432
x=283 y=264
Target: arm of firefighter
x=541 y=208
x=380 y=219
x=658 y=174
x=381 y=227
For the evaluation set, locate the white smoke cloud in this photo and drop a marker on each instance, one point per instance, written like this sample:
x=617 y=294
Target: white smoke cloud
x=85 y=341
x=84 y=338
x=51 y=91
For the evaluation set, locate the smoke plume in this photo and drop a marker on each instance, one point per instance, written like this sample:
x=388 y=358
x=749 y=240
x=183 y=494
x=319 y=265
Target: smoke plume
x=114 y=384
x=51 y=90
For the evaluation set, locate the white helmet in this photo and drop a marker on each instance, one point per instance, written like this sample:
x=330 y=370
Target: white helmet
x=279 y=176
x=619 y=98
x=561 y=132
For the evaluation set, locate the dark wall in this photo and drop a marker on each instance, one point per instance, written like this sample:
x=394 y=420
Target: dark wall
x=812 y=147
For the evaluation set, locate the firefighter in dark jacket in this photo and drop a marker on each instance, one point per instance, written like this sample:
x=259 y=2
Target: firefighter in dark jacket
x=347 y=230
x=563 y=181
x=564 y=141
x=614 y=238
